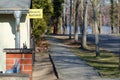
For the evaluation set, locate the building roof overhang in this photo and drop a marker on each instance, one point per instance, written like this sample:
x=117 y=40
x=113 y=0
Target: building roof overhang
x=9 y=6
x=12 y=11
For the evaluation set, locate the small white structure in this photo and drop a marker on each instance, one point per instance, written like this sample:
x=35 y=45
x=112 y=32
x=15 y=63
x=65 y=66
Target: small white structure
x=14 y=26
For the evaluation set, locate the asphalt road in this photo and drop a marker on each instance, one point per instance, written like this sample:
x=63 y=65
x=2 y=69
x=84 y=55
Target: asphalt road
x=107 y=42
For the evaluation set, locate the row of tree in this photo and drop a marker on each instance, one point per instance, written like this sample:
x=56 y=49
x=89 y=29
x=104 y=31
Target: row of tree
x=106 y=11
x=81 y=17
x=80 y=13
x=86 y=12
x=90 y=12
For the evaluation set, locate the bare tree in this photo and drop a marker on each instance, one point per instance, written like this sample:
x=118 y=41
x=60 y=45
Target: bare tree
x=100 y=17
x=95 y=12
x=81 y=16
x=112 y=16
x=84 y=31
x=64 y=17
x=70 y=22
x=76 y=19
x=118 y=14
x=118 y=23
x=118 y=7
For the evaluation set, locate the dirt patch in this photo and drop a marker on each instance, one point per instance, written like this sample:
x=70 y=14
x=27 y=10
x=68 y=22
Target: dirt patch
x=41 y=46
x=43 y=68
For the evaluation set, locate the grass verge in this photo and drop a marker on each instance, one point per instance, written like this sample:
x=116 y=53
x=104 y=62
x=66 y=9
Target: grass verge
x=106 y=63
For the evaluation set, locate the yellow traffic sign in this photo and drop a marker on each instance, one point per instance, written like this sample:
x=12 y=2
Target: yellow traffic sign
x=35 y=13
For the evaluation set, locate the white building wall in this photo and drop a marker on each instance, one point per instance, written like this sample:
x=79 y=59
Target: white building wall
x=25 y=31
x=7 y=35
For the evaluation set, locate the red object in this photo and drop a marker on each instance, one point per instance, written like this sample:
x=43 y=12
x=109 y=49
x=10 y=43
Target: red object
x=25 y=62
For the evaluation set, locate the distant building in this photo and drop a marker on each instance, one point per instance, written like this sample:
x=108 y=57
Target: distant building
x=14 y=26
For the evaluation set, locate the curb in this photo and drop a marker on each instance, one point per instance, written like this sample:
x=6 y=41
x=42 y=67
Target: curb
x=54 y=67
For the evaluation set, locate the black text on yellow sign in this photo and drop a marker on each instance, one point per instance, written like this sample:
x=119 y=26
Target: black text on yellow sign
x=35 y=13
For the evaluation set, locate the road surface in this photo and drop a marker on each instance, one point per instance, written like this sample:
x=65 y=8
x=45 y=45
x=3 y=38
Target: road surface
x=107 y=42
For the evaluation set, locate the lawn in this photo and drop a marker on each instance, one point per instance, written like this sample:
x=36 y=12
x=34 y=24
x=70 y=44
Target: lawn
x=106 y=63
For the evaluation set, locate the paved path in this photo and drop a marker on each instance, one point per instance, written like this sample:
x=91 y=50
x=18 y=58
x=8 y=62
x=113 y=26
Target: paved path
x=69 y=66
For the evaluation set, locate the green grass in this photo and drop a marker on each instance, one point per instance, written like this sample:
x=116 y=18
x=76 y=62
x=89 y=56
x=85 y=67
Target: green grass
x=106 y=63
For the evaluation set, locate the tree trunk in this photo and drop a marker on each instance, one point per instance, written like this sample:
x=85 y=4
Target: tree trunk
x=119 y=62
x=96 y=40
x=95 y=11
x=61 y=23
x=70 y=22
x=65 y=25
x=112 y=28
x=93 y=28
x=81 y=18
x=76 y=21
x=56 y=20
x=119 y=16
x=64 y=18
x=118 y=23
x=59 y=26
x=103 y=19
x=100 y=24
x=100 y=17
x=119 y=27
x=54 y=27
x=112 y=16
x=85 y=16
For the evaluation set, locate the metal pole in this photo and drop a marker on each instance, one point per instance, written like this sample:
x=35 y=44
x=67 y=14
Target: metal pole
x=17 y=15
x=17 y=39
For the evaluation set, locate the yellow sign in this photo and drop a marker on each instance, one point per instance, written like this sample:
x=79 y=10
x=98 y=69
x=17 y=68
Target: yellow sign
x=35 y=13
